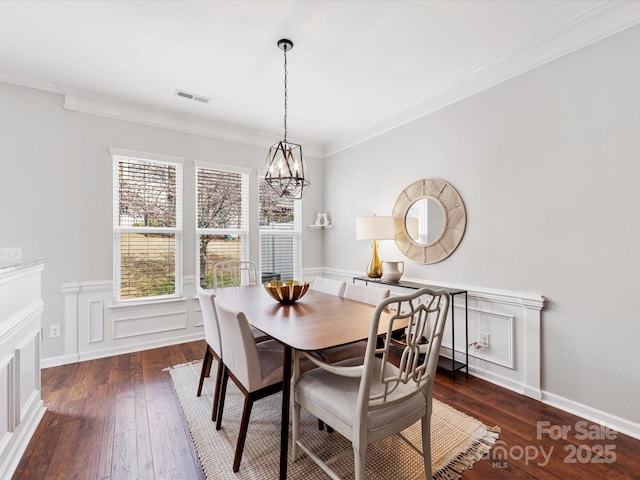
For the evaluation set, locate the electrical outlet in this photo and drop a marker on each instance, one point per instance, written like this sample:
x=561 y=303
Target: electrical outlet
x=54 y=331
x=485 y=340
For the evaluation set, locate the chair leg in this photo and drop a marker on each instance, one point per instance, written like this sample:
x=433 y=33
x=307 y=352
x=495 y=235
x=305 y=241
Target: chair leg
x=216 y=391
x=359 y=461
x=295 y=430
x=426 y=446
x=242 y=435
x=206 y=368
x=321 y=426
x=223 y=391
x=208 y=372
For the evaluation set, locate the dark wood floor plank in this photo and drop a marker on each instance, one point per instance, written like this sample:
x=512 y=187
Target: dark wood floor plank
x=119 y=418
x=84 y=463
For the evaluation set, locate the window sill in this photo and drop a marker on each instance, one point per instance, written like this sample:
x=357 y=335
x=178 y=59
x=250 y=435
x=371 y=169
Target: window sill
x=147 y=303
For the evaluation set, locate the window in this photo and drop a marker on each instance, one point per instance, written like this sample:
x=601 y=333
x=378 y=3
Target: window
x=222 y=198
x=147 y=225
x=280 y=236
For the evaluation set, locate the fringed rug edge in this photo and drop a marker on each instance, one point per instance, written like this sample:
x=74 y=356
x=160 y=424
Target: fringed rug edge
x=465 y=460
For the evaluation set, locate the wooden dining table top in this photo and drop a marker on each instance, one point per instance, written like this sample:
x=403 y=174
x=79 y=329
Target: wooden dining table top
x=314 y=322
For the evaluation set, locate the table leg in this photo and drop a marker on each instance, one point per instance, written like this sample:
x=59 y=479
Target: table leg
x=453 y=338
x=466 y=330
x=286 y=395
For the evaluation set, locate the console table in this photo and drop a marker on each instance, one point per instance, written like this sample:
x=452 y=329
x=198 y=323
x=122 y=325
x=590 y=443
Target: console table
x=450 y=364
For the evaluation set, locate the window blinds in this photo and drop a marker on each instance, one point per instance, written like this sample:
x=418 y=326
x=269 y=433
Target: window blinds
x=222 y=218
x=280 y=234
x=147 y=227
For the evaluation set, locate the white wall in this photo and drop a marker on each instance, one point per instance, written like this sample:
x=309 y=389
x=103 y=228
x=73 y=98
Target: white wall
x=548 y=166
x=56 y=190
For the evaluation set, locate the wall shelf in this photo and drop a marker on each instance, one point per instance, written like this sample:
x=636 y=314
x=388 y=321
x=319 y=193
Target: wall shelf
x=320 y=226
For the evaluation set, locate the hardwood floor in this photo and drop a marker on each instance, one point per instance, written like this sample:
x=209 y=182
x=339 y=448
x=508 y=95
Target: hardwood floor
x=119 y=418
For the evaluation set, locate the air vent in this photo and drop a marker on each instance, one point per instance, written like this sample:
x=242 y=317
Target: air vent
x=193 y=96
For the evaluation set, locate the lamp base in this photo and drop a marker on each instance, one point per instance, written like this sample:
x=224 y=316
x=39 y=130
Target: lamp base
x=374 y=269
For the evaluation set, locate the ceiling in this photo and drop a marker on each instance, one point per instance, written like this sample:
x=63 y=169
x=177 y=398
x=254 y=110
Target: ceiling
x=358 y=68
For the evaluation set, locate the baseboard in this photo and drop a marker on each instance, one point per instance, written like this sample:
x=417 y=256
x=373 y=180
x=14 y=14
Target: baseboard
x=57 y=361
x=621 y=425
x=110 y=352
x=504 y=382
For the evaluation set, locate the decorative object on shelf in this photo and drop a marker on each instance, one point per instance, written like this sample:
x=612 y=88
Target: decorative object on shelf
x=286 y=292
x=375 y=228
x=391 y=271
x=322 y=221
x=285 y=169
x=433 y=220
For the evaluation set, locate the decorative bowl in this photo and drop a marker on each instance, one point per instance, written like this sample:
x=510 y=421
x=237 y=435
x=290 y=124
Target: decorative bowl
x=286 y=292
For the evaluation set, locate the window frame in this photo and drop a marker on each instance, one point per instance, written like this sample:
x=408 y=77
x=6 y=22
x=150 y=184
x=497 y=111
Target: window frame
x=245 y=197
x=177 y=231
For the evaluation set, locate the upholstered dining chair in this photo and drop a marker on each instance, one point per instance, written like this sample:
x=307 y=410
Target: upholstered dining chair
x=360 y=293
x=255 y=368
x=371 y=399
x=366 y=293
x=213 y=348
x=234 y=273
x=327 y=285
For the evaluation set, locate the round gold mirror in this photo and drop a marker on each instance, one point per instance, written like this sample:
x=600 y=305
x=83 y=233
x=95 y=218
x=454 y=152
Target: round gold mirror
x=433 y=220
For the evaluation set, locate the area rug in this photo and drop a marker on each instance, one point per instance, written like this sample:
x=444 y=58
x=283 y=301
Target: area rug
x=457 y=440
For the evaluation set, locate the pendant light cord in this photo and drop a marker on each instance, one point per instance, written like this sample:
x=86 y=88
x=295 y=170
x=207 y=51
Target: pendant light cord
x=285 y=94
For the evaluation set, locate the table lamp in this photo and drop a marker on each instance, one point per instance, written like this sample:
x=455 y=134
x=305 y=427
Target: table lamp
x=375 y=228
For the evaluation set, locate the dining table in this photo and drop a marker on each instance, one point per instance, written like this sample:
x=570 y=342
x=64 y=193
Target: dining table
x=314 y=322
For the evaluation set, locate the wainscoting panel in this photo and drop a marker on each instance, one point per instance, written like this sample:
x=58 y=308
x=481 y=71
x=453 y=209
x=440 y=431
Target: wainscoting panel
x=96 y=321
x=199 y=322
x=21 y=405
x=95 y=326
x=512 y=322
x=27 y=374
x=7 y=397
x=500 y=328
x=149 y=324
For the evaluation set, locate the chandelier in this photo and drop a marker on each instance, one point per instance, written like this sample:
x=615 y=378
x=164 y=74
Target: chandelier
x=285 y=170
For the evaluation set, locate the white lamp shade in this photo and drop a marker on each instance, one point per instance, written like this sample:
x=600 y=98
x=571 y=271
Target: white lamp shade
x=375 y=228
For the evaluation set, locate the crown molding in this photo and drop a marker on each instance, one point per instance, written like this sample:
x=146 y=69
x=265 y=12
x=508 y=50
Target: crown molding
x=74 y=101
x=29 y=83
x=78 y=101
x=603 y=20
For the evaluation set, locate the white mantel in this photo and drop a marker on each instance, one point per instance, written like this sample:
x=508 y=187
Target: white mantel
x=21 y=405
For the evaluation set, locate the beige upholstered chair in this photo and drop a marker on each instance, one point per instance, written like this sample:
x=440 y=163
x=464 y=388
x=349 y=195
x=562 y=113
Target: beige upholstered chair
x=255 y=368
x=234 y=273
x=327 y=285
x=367 y=402
x=365 y=293
x=360 y=293
x=213 y=348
